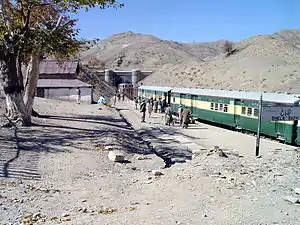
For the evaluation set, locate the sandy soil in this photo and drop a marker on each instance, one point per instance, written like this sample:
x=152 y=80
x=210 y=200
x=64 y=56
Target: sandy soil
x=57 y=172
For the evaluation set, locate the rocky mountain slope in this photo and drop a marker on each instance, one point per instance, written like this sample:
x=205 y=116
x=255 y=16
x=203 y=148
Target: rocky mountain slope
x=130 y=50
x=264 y=62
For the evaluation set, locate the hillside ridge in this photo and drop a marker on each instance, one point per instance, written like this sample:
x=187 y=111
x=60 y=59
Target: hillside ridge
x=262 y=62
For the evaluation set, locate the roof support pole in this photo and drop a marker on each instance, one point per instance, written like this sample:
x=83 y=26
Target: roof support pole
x=258 y=127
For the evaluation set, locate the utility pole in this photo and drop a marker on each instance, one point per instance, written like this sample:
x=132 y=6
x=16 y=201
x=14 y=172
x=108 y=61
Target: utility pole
x=259 y=126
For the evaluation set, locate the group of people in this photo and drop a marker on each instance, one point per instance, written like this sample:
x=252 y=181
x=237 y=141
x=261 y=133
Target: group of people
x=157 y=106
x=183 y=113
x=160 y=106
x=119 y=95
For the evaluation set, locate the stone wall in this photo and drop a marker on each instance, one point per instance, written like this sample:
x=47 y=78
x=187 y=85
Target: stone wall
x=67 y=94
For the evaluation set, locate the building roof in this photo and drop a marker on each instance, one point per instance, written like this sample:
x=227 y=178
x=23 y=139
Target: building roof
x=247 y=95
x=56 y=67
x=61 y=83
x=156 y=88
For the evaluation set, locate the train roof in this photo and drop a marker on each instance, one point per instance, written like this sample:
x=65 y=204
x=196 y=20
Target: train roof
x=270 y=97
x=155 y=88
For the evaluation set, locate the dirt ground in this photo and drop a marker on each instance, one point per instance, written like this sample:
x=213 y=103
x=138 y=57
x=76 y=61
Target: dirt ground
x=58 y=172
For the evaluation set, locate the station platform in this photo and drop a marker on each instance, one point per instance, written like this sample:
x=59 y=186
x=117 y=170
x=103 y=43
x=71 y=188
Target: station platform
x=196 y=138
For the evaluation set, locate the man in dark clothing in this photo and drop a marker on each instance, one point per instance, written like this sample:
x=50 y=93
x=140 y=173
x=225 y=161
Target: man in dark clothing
x=136 y=102
x=155 y=105
x=164 y=105
x=186 y=117
x=143 y=110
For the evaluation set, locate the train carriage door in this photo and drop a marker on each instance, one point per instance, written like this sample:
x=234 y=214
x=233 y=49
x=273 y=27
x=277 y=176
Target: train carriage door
x=169 y=97
x=193 y=103
x=181 y=96
x=189 y=102
x=280 y=128
x=165 y=97
x=237 y=118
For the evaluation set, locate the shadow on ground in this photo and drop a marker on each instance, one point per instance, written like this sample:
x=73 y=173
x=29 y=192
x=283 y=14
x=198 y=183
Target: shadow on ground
x=167 y=147
x=21 y=149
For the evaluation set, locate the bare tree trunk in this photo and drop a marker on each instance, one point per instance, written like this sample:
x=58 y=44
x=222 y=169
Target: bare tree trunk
x=11 y=76
x=32 y=76
x=17 y=108
x=10 y=107
x=13 y=86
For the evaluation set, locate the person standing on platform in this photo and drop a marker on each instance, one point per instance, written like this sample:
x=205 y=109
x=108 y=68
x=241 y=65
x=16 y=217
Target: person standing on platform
x=186 y=114
x=143 y=110
x=78 y=92
x=168 y=115
x=150 y=108
x=179 y=112
x=155 y=105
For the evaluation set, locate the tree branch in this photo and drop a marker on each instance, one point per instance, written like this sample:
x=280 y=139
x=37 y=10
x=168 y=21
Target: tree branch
x=25 y=28
x=22 y=12
x=57 y=24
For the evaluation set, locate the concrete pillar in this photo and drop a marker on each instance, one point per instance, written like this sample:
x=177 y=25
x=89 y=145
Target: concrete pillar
x=92 y=95
x=109 y=77
x=135 y=77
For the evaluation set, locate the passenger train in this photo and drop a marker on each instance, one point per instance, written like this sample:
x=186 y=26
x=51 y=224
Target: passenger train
x=234 y=109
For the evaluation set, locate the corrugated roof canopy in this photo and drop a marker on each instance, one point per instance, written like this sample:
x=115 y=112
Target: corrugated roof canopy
x=155 y=88
x=61 y=83
x=271 y=97
x=56 y=67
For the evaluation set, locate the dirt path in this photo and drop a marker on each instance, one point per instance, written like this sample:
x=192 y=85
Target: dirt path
x=54 y=173
x=239 y=189
x=53 y=166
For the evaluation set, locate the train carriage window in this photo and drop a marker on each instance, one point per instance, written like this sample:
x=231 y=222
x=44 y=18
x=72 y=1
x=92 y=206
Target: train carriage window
x=221 y=107
x=256 y=112
x=249 y=111
x=225 y=108
x=212 y=106
x=216 y=106
x=173 y=99
x=244 y=110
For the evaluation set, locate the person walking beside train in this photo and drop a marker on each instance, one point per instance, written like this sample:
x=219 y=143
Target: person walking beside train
x=149 y=107
x=185 y=117
x=179 y=112
x=168 y=115
x=159 y=107
x=151 y=102
x=135 y=101
x=155 y=105
x=143 y=110
x=163 y=105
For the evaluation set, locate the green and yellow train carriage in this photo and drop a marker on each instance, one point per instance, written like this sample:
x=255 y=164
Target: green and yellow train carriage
x=147 y=92
x=237 y=109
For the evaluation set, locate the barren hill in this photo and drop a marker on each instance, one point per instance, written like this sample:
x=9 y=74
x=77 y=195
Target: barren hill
x=130 y=50
x=265 y=62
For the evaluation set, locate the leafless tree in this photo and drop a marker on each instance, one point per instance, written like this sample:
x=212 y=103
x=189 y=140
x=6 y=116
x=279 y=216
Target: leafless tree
x=228 y=48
